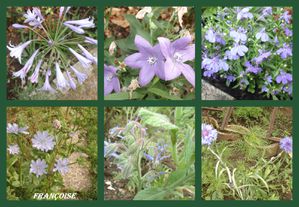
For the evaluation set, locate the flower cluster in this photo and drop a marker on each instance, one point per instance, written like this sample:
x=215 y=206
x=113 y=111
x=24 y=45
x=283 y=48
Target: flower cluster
x=15 y=129
x=250 y=47
x=208 y=134
x=51 y=48
x=166 y=60
x=158 y=155
x=286 y=144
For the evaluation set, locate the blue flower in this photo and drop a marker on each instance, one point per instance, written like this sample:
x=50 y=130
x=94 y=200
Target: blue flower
x=61 y=166
x=286 y=17
x=43 y=141
x=252 y=69
x=13 y=149
x=244 y=14
x=284 y=77
x=208 y=134
x=286 y=144
x=285 y=51
x=211 y=35
x=213 y=65
x=239 y=49
x=38 y=167
x=262 y=56
x=288 y=32
x=239 y=35
x=15 y=129
x=262 y=35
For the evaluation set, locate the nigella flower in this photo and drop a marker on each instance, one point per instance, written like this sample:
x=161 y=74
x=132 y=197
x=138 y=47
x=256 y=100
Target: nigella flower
x=76 y=29
x=43 y=141
x=244 y=14
x=16 y=51
x=239 y=49
x=71 y=80
x=87 y=54
x=13 y=149
x=47 y=86
x=263 y=56
x=84 y=61
x=176 y=54
x=34 y=77
x=91 y=40
x=252 y=69
x=19 y=26
x=61 y=166
x=284 y=77
x=262 y=35
x=208 y=134
x=213 y=65
x=149 y=60
x=61 y=82
x=38 y=167
x=111 y=81
x=286 y=144
x=22 y=72
x=286 y=17
x=80 y=76
x=239 y=35
x=15 y=129
x=288 y=32
x=285 y=51
x=82 y=23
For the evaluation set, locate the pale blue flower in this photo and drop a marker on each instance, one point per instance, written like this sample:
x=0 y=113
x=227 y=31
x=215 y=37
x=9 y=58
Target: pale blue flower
x=15 y=129
x=13 y=149
x=43 y=141
x=61 y=82
x=61 y=166
x=38 y=167
x=34 y=77
x=239 y=49
x=76 y=29
x=16 y=51
x=23 y=72
x=262 y=35
x=208 y=134
x=286 y=144
x=91 y=41
x=83 y=60
x=244 y=14
x=81 y=77
x=47 y=86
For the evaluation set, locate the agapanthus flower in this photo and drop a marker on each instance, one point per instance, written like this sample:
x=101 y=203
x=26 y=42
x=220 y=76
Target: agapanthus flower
x=285 y=51
x=239 y=49
x=208 y=134
x=43 y=141
x=111 y=81
x=13 y=149
x=81 y=77
x=286 y=17
x=284 y=77
x=16 y=51
x=88 y=55
x=76 y=29
x=91 y=40
x=15 y=129
x=61 y=10
x=149 y=60
x=252 y=69
x=213 y=65
x=82 y=23
x=19 y=26
x=239 y=35
x=47 y=86
x=72 y=83
x=176 y=54
x=262 y=35
x=23 y=72
x=34 y=77
x=34 y=17
x=61 y=82
x=38 y=167
x=262 y=56
x=61 y=166
x=286 y=144
x=244 y=14
x=83 y=60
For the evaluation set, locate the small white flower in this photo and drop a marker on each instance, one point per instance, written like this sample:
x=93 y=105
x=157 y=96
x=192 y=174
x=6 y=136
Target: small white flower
x=13 y=149
x=16 y=51
x=84 y=61
x=82 y=23
x=61 y=82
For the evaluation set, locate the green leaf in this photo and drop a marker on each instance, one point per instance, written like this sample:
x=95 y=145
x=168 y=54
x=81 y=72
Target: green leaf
x=123 y=96
x=156 y=119
x=137 y=28
x=153 y=193
x=175 y=176
x=163 y=94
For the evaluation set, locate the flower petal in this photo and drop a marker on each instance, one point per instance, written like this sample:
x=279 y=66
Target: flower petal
x=181 y=43
x=165 y=46
x=171 y=70
x=188 y=72
x=134 y=60
x=146 y=74
x=142 y=44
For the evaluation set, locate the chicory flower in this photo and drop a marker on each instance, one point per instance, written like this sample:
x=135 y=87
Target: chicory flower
x=43 y=141
x=13 y=149
x=61 y=166
x=38 y=167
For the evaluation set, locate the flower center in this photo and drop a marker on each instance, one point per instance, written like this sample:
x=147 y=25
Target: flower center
x=205 y=133
x=178 y=57
x=151 y=60
x=109 y=77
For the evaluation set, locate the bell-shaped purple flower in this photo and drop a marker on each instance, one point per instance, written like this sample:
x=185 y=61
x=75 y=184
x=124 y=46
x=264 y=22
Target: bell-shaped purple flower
x=111 y=81
x=16 y=51
x=23 y=72
x=34 y=77
x=91 y=41
x=88 y=55
x=84 y=61
x=47 y=86
x=176 y=54
x=80 y=76
x=61 y=82
x=71 y=80
x=149 y=59
x=76 y=29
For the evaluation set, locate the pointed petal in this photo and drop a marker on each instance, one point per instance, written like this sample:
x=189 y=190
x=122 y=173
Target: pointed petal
x=189 y=73
x=165 y=46
x=146 y=74
x=135 y=60
x=171 y=70
x=181 y=43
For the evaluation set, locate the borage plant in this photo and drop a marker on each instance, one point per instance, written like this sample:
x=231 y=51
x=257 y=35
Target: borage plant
x=51 y=41
x=249 y=48
x=158 y=51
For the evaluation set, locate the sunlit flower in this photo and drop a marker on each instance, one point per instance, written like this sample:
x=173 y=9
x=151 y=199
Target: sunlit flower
x=61 y=166
x=252 y=69
x=13 y=149
x=239 y=49
x=284 y=77
x=238 y=35
x=84 y=61
x=285 y=51
x=16 y=51
x=43 y=141
x=38 y=167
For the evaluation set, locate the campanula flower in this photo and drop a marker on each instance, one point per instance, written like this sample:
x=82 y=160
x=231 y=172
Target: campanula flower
x=176 y=54
x=208 y=134
x=111 y=81
x=262 y=35
x=61 y=82
x=81 y=77
x=16 y=51
x=38 y=167
x=43 y=141
x=23 y=72
x=286 y=144
x=83 y=60
x=149 y=60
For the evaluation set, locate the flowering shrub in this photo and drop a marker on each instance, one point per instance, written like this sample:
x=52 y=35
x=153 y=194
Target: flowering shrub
x=155 y=156
x=51 y=42
x=157 y=54
x=250 y=48
x=40 y=158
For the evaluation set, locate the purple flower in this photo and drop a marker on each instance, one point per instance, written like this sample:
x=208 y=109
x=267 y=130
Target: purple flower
x=263 y=56
x=288 y=32
x=268 y=79
x=88 y=55
x=16 y=51
x=284 y=77
x=239 y=50
x=286 y=17
x=34 y=77
x=91 y=40
x=213 y=65
x=211 y=35
x=208 y=134
x=61 y=82
x=252 y=69
x=288 y=88
x=285 y=51
x=19 y=26
x=149 y=59
x=71 y=80
x=267 y=11
x=82 y=23
x=262 y=35
x=61 y=166
x=15 y=129
x=228 y=55
x=76 y=29
x=158 y=155
x=43 y=141
x=230 y=78
x=176 y=54
x=47 y=86
x=38 y=167
x=239 y=35
x=13 y=149
x=286 y=144
x=84 y=61
x=80 y=76
x=244 y=14
x=276 y=41
x=34 y=17
x=23 y=72
x=111 y=81
x=264 y=89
